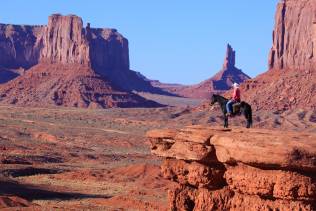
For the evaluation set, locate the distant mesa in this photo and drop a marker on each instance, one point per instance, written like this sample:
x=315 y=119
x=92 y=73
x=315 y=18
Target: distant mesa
x=219 y=83
x=67 y=64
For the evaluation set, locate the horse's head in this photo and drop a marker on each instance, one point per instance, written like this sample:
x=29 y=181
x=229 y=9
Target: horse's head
x=213 y=99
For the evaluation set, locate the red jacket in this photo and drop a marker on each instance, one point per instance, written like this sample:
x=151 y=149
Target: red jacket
x=236 y=94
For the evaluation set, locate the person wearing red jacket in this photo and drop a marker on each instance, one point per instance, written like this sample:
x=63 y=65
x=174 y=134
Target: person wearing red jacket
x=235 y=99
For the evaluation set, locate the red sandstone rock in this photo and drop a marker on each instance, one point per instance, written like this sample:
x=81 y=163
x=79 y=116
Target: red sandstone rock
x=213 y=200
x=290 y=82
x=183 y=150
x=186 y=198
x=252 y=202
x=289 y=186
x=13 y=201
x=68 y=85
x=294 y=36
x=193 y=173
x=270 y=183
x=263 y=148
x=162 y=134
x=20 y=45
x=64 y=41
x=267 y=149
x=198 y=134
x=181 y=198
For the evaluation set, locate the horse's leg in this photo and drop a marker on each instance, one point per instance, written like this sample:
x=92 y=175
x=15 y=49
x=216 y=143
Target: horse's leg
x=248 y=123
x=225 y=121
x=248 y=115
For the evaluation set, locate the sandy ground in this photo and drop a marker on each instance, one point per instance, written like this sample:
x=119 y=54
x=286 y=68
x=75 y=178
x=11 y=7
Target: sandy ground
x=81 y=159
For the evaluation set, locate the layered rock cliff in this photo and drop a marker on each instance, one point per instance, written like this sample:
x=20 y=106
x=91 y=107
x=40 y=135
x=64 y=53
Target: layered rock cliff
x=68 y=64
x=224 y=169
x=63 y=40
x=20 y=45
x=290 y=82
x=219 y=83
x=294 y=36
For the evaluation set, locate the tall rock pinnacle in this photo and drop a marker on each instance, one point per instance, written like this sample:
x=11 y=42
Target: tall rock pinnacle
x=219 y=83
x=229 y=62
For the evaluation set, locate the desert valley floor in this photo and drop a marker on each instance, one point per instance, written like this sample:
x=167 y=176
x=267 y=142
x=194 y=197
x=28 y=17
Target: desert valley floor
x=72 y=159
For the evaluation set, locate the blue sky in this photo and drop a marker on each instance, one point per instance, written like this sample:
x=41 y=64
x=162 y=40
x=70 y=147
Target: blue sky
x=178 y=41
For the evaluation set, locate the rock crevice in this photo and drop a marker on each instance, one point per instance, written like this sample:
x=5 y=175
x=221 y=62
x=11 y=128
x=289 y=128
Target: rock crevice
x=245 y=170
x=294 y=36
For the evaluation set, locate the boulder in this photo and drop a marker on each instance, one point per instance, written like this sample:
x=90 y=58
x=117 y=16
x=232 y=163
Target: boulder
x=181 y=198
x=183 y=151
x=193 y=173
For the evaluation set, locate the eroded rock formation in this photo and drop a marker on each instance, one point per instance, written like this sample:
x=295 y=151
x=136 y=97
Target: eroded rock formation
x=63 y=40
x=231 y=169
x=219 y=83
x=294 y=36
x=229 y=74
x=290 y=82
x=68 y=64
x=20 y=45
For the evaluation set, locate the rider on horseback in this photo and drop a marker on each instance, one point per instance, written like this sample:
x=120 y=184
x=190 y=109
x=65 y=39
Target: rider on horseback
x=235 y=99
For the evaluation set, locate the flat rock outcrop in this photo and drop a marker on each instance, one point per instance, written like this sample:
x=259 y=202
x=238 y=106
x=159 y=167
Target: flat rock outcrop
x=243 y=170
x=219 y=83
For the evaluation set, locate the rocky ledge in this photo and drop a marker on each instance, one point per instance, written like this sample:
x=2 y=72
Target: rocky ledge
x=237 y=169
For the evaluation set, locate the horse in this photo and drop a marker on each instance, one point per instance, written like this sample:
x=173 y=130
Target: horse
x=245 y=108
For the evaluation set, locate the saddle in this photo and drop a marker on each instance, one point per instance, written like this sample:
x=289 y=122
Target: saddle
x=236 y=109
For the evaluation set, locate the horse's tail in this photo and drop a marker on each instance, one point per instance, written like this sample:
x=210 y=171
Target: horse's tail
x=247 y=110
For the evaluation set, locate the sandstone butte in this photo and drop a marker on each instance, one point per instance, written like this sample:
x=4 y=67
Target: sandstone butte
x=290 y=82
x=219 y=83
x=237 y=169
x=64 y=63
